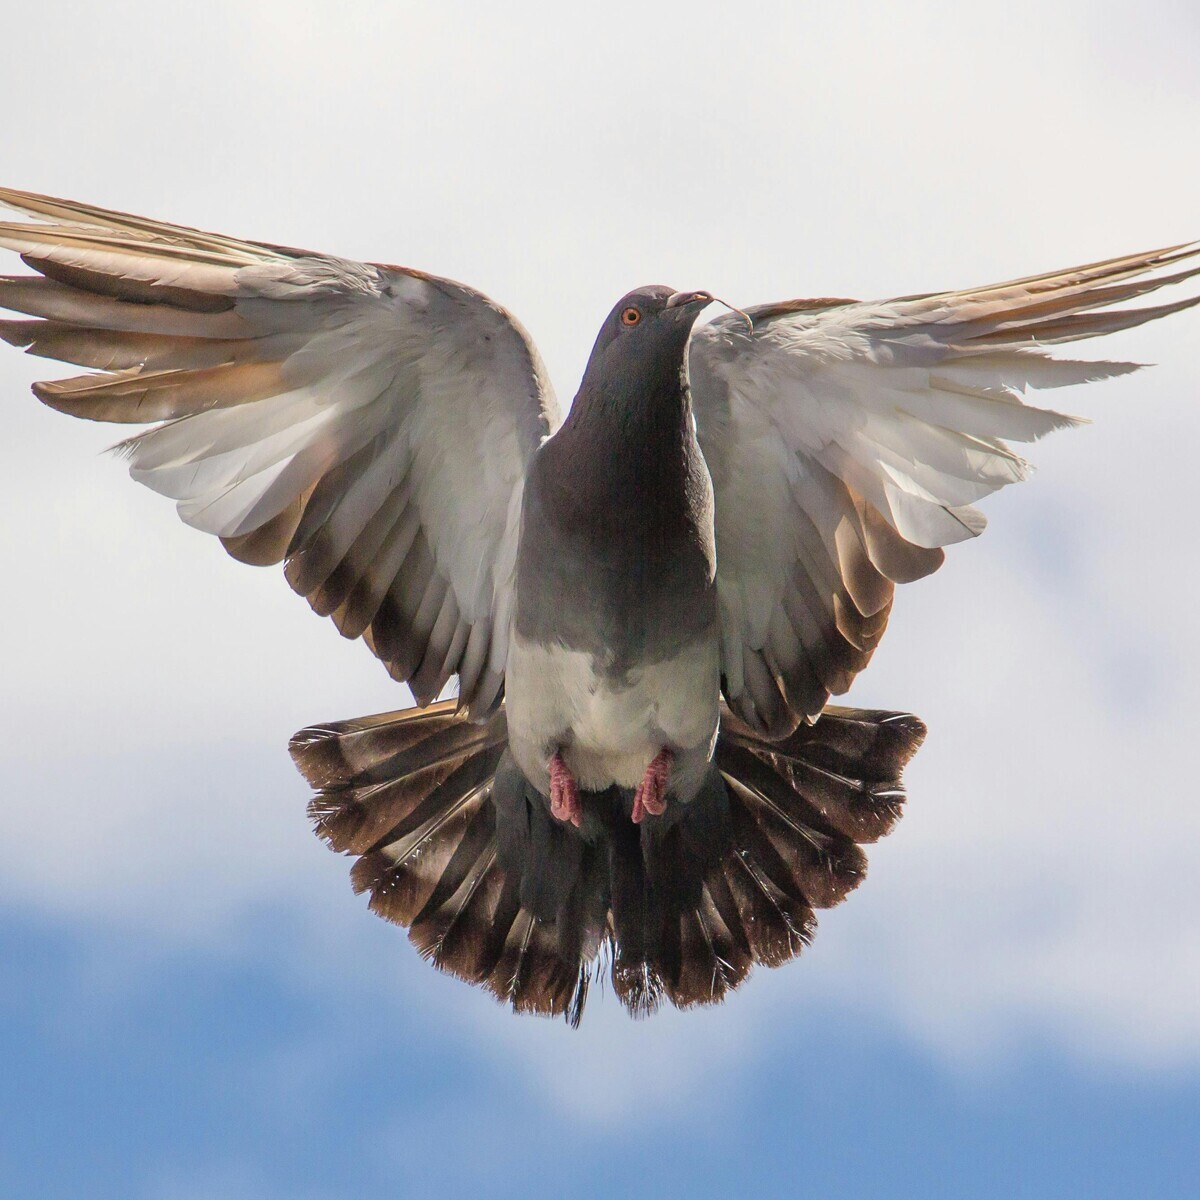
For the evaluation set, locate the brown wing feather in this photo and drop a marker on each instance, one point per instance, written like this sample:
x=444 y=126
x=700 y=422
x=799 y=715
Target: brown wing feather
x=247 y=353
x=848 y=440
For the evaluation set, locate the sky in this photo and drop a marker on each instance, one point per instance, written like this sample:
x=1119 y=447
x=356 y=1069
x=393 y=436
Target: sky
x=193 y=1005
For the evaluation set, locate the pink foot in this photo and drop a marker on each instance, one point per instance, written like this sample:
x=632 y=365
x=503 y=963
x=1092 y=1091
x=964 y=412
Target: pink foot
x=564 y=792
x=651 y=795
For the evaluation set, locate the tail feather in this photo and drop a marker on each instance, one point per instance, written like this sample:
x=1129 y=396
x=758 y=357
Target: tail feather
x=778 y=925
x=714 y=960
x=843 y=772
x=455 y=844
x=456 y=936
x=382 y=747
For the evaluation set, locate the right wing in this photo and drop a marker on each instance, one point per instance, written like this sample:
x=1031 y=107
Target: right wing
x=369 y=425
x=847 y=443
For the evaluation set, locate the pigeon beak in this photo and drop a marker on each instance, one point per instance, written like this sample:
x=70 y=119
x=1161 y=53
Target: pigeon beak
x=688 y=299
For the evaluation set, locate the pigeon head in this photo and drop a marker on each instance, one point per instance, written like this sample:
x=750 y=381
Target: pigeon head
x=645 y=335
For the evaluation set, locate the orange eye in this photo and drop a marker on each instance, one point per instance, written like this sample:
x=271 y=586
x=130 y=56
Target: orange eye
x=631 y=316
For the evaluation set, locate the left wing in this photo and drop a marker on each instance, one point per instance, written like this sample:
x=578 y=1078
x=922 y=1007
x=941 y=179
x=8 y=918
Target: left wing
x=371 y=425
x=848 y=441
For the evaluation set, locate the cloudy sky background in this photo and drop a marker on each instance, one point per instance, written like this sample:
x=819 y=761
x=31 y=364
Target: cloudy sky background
x=192 y=1003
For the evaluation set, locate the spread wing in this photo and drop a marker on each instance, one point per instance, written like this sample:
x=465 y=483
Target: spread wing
x=368 y=425
x=848 y=441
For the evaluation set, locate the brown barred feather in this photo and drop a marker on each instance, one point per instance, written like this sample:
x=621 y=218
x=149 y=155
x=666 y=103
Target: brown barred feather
x=453 y=843
x=846 y=768
x=112 y=350
x=41 y=297
x=366 y=572
x=267 y=545
x=138 y=397
x=182 y=323
x=123 y=287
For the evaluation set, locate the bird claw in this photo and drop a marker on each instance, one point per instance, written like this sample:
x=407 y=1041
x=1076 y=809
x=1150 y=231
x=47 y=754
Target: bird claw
x=564 y=792
x=650 y=799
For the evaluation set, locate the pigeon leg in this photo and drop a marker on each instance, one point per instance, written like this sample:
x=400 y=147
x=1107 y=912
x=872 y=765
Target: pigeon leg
x=564 y=792
x=651 y=795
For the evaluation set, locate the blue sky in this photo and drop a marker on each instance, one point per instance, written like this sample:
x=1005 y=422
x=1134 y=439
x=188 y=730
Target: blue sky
x=193 y=1004
x=207 y=1077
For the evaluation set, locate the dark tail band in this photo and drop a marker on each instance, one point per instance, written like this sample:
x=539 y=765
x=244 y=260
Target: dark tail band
x=454 y=844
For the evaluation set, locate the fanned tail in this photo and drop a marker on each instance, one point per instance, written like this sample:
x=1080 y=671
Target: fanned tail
x=453 y=843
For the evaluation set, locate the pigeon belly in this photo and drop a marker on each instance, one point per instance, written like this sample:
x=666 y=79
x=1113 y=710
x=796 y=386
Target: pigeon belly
x=608 y=727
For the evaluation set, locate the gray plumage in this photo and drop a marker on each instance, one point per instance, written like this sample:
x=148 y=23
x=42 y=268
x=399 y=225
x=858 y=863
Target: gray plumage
x=617 y=555
x=646 y=606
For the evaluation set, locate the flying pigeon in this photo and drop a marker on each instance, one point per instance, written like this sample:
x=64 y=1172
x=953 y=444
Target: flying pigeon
x=647 y=605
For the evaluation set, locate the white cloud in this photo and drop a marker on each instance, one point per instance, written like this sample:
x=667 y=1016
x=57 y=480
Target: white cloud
x=1043 y=880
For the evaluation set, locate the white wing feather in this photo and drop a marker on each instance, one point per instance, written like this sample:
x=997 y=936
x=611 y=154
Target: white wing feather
x=370 y=424
x=848 y=441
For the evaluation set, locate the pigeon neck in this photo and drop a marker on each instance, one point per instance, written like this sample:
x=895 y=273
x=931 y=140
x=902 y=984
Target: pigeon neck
x=653 y=415
x=628 y=456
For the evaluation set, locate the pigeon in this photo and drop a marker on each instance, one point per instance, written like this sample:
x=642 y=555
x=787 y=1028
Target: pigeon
x=622 y=629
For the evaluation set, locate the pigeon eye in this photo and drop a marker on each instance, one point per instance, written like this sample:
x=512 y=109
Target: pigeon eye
x=631 y=316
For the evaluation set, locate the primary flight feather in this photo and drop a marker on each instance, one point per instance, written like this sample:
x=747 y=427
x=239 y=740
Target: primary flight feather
x=647 y=605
